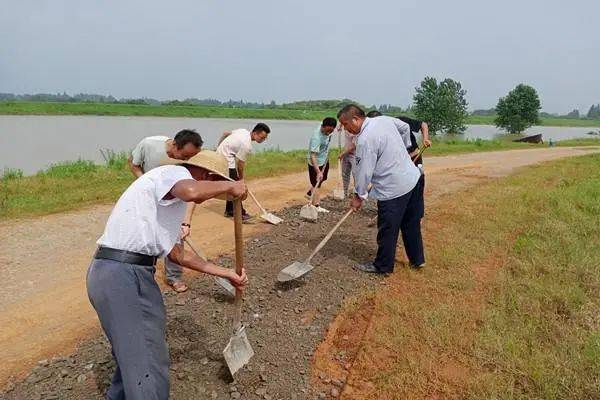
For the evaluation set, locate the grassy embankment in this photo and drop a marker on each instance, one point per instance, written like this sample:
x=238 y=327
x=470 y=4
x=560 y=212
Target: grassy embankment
x=508 y=305
x=71 y=185
x=39 y=108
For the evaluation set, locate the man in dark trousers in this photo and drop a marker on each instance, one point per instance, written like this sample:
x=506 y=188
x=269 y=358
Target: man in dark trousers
x=383 y=163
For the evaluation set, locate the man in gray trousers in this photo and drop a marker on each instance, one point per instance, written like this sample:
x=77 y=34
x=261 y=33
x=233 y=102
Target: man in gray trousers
x=144 y=225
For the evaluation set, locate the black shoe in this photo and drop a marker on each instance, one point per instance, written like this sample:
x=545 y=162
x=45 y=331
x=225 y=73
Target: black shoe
x=228 y=214
x=246 y=217
x=367 y=267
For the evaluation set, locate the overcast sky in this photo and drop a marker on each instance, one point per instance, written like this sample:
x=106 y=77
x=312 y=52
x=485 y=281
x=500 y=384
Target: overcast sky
x=375 y=52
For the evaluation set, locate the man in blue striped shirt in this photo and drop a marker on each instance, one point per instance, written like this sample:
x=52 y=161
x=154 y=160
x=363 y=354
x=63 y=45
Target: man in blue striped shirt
x=383 y=163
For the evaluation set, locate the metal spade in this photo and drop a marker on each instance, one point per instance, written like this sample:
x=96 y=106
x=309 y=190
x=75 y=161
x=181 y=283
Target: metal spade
x=267 y=216
x=309 y=212
x=297 y=269
x=224 y=283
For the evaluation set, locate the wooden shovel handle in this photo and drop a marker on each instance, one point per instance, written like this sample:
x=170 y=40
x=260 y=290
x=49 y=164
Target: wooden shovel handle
x=326 y=239
x=239 y=260
x=314 y=189
x=256 y=201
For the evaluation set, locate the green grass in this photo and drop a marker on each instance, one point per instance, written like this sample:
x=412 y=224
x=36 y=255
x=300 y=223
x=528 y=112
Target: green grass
x=71 y=185
x=563 y=122
x=33 y=108
x=592 y=141
x=41 y=108
x=540 y=336
x=62 y=187
x=508 y=305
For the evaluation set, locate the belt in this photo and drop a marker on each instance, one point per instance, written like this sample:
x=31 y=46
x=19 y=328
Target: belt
x=124 y=256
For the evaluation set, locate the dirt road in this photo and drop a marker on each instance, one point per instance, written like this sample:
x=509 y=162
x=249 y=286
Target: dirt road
x=44 y=309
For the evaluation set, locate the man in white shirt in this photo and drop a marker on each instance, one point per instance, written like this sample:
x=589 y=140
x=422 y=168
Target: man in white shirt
x=145 y=225
x=236 y=146
x=146 y=156
x=383 y=163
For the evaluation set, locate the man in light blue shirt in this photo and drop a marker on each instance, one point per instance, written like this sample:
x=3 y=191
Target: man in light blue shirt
x=318 y=153
x=384 y=165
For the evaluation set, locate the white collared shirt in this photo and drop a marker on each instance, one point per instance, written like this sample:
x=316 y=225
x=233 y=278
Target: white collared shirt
x=237 y=145
x=382 y=160
x=144 y=222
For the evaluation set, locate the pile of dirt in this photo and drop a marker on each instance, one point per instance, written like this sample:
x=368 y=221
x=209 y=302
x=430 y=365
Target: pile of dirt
x=286 y=322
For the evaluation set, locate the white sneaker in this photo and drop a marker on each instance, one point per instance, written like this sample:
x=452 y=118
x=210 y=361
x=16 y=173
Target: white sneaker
x=322 y=210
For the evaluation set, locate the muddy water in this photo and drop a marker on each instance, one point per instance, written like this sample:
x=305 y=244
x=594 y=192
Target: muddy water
x=32 y=143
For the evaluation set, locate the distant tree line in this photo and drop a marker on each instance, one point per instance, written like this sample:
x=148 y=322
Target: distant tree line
x=441 y=103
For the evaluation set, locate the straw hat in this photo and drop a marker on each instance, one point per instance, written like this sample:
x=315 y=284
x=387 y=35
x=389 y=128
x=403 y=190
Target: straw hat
x=207 y=159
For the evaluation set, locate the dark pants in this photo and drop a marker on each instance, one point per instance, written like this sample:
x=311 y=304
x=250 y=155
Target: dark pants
x=132 y=314
x=312 y=175
x=421 y=186
x=401 y=213
x=233 y=174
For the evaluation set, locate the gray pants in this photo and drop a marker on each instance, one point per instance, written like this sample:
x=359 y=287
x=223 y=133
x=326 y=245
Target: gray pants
x=132 y=313
x=173 y=271
x=348 y=164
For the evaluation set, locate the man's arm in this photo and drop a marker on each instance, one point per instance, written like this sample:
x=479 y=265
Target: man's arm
x=348 y=149
x=366 y=159
x=136 y=170
x=404 y=130
x=241 y=166
x=223 y=136
x=189 y=260
x=315 y=165
x=186 y=226
x=190 y=190
x=425 y=133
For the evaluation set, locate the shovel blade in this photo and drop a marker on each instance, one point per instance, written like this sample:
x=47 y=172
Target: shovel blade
x=226 y=285
x=294 y=271
x=338 y=194
x=309 y=213
x=238 y=351
x=271 y=218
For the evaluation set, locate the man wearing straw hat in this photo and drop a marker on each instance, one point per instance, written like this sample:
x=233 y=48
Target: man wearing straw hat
x=383 y=163
x=143 y=226
x=148 y=155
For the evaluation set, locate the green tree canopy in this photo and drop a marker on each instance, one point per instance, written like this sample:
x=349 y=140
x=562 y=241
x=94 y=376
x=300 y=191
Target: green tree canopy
x=518 y=110
x=594 y=112
x=443 y=106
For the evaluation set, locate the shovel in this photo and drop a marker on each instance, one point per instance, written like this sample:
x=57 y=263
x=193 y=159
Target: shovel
x=309 y=212
x=419 y=154
x=267 y=216
x=238 y=351
x=338 y=193
x=297 y=269
x=224 y=283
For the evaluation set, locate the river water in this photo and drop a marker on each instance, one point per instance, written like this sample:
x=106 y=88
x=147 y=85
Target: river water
x=31 y=143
